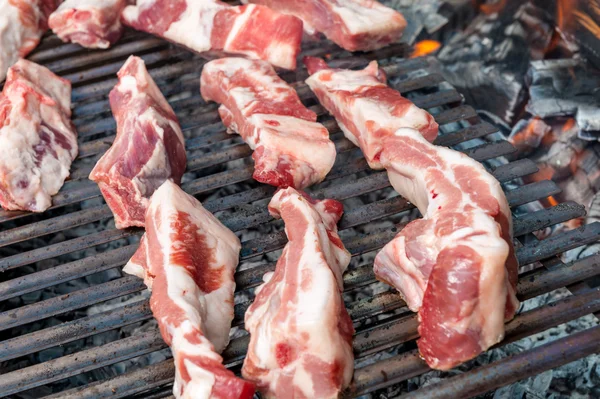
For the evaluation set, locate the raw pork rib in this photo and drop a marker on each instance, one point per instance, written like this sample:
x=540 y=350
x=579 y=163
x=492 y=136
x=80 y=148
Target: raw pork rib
x=300 y=332
x=91 y=23
x=290 y=147
x=22 y=24
x=148 y=150
x=355 y=25
x=365 y=108
x=188 y=258
x=38 y=142
x=211 y=27
x=456 y=266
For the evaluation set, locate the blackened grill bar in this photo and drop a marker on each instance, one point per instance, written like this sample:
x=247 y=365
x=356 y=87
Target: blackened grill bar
x=177 y=71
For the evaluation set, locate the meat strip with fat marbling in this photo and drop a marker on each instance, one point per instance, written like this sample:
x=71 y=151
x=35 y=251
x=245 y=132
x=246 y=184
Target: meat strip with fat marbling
x=290 y=148
x=149 y=147
x=300 y=331
x=90 y=23
x=37 y=138
x=187 y=258
x=456 y=266
x=213 y=28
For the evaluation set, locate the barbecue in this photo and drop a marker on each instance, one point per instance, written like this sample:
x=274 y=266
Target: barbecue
x=75 y=326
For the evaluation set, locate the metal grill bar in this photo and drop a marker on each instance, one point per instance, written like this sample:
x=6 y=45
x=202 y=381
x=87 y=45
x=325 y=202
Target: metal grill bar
x=209 y=147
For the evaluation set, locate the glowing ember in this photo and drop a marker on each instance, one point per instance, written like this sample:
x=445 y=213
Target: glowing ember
x=552 y=201
x=528 y=137
x=493 y=8
x=425 y=47
x=569 y=124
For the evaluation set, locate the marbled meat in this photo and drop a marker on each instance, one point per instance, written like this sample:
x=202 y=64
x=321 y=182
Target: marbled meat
x=148 y=150
x=38 y=141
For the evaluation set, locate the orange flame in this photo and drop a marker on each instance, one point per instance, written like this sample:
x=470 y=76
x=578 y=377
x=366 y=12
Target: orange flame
x=425 y=47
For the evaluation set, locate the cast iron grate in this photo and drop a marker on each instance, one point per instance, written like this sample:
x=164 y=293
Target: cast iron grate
x=76 y=236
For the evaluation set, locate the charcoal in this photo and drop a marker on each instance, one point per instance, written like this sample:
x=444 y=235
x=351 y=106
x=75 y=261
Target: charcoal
x=488 y=61
x=510 y=391
x=421 y=15
x=527 y=135
x=565 y=87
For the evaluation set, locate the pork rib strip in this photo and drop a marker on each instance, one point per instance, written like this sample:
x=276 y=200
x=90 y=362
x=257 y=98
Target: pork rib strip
x=456 y=266
x=188 y=258
x=355 y=25
x=290 y=148
x=148 y=150
x=213 y=28
x=38 y=141
x=300 y=331
x=90 y=23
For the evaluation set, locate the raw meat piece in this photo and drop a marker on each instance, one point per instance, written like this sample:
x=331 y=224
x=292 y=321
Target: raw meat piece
x=188 y=258
x=149 y=147
x=22 y=24
x=290 y=147
x=37 y=137
x=456 y=266
x=300 y=332
x=352 y=24
x=90 y=23
x=365 y=108
x=213 y=28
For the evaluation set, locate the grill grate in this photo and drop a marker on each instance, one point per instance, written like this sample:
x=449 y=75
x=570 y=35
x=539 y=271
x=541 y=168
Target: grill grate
x=72 y=237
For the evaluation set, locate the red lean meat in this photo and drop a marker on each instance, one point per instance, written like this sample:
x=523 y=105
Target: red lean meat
x=456 y=266
x=90 y=23
x=149 y=147
x=188 y=258
x=37 y=138
x=300 y=331
x=290 y=147
x=211 y=27
x=365 y=108
x=355 y=25
x=22 y=24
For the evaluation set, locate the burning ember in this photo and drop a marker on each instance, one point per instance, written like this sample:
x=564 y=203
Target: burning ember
x=425 y=47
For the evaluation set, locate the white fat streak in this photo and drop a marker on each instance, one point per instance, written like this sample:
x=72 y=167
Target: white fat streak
x=158 y=162
x=361 y=16
x=194 y=28
x=134 y=269
x=13 y=35
x=239 y=23
x=345 y=79
x=129 y=84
